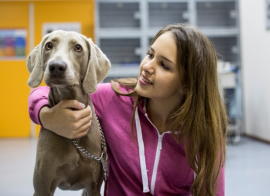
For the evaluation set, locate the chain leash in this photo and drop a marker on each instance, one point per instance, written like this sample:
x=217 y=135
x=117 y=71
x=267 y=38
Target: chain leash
x=103 y=158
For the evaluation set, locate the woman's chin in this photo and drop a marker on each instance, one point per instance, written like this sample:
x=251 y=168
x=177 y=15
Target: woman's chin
x=141 y=91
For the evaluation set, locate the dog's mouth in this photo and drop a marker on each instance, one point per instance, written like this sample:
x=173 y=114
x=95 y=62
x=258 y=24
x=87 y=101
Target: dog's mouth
x=56 y=83
x=59 y=82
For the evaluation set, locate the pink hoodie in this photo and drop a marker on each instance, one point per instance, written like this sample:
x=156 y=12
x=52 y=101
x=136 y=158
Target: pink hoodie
x=158 y=167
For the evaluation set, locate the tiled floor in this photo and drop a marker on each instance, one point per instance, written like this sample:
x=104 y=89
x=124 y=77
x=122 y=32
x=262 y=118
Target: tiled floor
x=247 y=168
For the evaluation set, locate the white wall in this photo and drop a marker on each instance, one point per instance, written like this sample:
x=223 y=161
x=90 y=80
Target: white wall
x=255 y=56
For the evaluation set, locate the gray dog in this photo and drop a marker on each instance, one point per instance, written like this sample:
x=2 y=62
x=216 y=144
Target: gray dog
x=73 y=66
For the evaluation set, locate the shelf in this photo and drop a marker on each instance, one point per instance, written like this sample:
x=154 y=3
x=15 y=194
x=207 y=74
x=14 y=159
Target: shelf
x=219 y=32
x=215 y=0
x=123 y=71
x=117 y=1
x=228 y=80
x=207 y=31
x=168 y=1
x=116 y=33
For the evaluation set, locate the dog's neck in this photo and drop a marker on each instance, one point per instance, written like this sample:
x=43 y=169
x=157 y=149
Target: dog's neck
x=75 y=92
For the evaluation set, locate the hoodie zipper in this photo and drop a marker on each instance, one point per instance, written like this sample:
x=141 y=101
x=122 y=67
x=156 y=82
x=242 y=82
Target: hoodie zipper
x=157 y=157
x=154 y=175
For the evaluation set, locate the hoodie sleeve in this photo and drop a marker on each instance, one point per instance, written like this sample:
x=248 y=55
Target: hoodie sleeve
x=38 y=98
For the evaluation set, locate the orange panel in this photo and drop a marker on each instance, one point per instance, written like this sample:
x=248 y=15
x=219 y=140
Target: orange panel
x=14 y=119
x=14 y=14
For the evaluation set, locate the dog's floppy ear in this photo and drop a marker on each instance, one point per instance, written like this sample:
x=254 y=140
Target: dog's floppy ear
x=35 y=65
x=97 y=69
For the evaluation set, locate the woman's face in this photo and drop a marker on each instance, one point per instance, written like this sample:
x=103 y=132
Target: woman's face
x=159 y=77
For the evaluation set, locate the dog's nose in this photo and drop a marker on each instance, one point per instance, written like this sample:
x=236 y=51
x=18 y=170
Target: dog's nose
x=57 y=68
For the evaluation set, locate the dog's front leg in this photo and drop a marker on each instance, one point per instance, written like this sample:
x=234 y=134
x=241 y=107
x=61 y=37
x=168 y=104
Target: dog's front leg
x=84 y=192
x=87 y=192
x=45 y=176
x=44 y=185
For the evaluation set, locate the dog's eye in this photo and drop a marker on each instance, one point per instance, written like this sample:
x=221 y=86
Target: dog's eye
x=78 y=48
x=49 y=46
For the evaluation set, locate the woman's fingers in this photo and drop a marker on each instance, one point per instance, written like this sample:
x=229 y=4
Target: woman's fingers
x=82 y=122
x=81 y=114
x=72 y=104
x=81 y=132
x=76 y=115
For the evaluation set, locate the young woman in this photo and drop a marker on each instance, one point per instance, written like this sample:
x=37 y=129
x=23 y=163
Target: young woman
x=166 y=130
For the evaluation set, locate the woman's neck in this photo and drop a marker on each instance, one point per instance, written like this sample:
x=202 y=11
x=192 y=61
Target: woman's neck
x=160 y=112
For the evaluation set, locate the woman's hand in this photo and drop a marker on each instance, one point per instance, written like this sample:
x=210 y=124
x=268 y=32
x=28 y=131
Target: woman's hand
x=63 y=120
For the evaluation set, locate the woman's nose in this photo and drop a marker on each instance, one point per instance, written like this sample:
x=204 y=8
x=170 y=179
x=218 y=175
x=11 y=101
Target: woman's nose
x=149 y=67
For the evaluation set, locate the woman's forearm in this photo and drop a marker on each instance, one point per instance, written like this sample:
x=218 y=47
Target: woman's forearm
x=38 y=98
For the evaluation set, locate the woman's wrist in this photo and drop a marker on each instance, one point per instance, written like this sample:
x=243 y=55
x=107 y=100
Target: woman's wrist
x=43 y=115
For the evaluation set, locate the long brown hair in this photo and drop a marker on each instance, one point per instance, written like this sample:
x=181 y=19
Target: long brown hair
x=201 y=117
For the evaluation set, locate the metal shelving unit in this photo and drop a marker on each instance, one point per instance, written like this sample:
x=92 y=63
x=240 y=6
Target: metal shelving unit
x=124 y=29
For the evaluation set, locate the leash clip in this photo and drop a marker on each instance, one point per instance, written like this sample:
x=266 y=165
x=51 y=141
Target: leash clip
x=104 y=165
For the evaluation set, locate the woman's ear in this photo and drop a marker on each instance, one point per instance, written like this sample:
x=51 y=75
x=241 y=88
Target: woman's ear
x=184 y=90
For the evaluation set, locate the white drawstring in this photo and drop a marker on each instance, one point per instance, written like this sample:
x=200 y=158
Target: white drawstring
x=141 y=153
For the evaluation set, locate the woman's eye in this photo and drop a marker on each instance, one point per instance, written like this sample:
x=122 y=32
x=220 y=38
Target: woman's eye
x=150 y=55
x=78 y=48
x=164 y=66
x=49 y=46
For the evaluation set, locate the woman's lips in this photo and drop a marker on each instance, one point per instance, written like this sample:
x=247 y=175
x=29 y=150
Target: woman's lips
x=144 y=81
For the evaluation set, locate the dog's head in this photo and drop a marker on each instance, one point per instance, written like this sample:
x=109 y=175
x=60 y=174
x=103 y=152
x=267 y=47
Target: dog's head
x=67 y=58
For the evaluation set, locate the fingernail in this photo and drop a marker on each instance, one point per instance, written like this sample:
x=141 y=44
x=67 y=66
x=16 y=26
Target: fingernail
x=81 y=105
